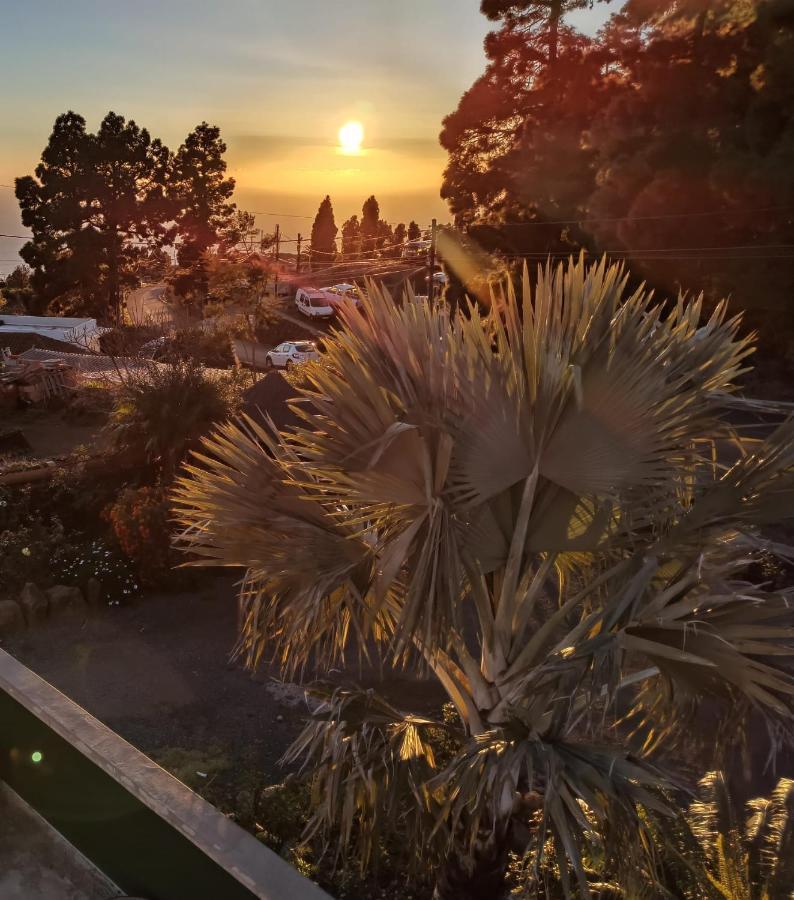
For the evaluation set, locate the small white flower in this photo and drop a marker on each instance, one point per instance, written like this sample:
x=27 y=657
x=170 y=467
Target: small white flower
x=26 y=551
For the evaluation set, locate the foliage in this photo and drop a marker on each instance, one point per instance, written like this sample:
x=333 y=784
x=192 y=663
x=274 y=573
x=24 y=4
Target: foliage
x=193 y=767
x=18 y=279
x=139 y=520
x=164 y=410
x=91 y=403
x=200 y=192
x=27 y=549
x=414 y=231
x=351 y=237
x=78 y=563
x=210 y=348
x=370 y=217
x=239 y=286
x=527 y=503
x=664 y=139
x=127 y=340
x=323 y=240
x=38 y=548
x=94 y=204
x=748 y=857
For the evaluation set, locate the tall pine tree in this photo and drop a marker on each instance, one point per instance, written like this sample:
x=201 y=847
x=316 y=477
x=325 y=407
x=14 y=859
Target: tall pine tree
x=201 y=194
x=324 y=231
x=96 y=205
x=370 y=219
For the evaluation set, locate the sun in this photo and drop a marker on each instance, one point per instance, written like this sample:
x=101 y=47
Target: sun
x=351 y=135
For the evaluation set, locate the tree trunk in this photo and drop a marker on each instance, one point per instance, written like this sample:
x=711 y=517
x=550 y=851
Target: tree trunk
x=479 y=875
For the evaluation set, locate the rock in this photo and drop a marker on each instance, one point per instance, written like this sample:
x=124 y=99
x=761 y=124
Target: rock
x=279 y=718
x=11 y=618
x=93 y=593
x=34 y=603
x=66 y=600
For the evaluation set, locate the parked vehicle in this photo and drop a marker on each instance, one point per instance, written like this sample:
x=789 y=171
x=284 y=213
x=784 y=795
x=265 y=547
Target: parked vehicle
x=313 y=303
x=342 y=293
x=290 y=353
x=415 y=249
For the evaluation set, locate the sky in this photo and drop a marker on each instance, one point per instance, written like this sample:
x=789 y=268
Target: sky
x=280 y=77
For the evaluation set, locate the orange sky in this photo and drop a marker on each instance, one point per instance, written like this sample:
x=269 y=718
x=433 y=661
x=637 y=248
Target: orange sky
x=278 y=78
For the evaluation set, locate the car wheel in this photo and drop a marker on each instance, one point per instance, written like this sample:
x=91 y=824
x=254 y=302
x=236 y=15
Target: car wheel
x=289 y=364
x=268 y=362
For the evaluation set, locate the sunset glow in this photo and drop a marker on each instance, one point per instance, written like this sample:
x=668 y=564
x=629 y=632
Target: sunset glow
x=351 y=136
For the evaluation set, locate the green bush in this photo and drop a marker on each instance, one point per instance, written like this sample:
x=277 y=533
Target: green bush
x=27 y=552
x=163 y=412
x=77 y=563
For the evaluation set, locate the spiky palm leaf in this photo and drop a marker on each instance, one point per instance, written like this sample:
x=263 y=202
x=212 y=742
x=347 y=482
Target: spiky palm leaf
x=747 y=857
x=551 y=471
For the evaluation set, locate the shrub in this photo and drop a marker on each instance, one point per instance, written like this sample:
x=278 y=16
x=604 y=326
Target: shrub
x=77 y=564
x=139 y=519
x=91 y=404
x=163 y=412
x=27 y=552
x=210 y=348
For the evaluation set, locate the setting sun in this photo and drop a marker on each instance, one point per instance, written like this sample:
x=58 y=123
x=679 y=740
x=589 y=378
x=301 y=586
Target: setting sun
x=351 y=135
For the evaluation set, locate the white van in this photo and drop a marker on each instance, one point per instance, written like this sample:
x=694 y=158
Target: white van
x=313 y=303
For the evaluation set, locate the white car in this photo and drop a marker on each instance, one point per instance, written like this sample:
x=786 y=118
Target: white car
x=338 y=294
x=290 y=354
x=313 y=303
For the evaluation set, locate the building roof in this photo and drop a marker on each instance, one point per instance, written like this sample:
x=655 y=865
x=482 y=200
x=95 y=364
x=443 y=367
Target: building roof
x=270 y=397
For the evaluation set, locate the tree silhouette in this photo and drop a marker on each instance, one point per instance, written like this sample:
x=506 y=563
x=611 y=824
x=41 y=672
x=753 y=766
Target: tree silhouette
x=95 y=205
x=201 y=195
x=351 y=237
x=370 y=221
x=324 y=231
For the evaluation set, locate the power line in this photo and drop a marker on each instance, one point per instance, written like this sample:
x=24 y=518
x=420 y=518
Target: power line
x=21 y=237
x=588 y=220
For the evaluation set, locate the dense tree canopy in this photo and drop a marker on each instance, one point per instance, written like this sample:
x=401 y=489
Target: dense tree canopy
x=324 y=231
x=95 y=204
x=370 y=220
x=204 y=213
x=351 y=237
x=667 y=140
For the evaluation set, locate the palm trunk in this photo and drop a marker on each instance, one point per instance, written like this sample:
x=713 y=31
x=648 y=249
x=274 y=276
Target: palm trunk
x=476 y=875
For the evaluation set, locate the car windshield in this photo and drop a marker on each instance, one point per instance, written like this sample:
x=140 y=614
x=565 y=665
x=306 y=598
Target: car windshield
x=304 y=347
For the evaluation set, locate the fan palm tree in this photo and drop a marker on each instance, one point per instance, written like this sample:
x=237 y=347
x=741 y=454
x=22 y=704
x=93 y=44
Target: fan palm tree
x=538 y=505
x=746 y=856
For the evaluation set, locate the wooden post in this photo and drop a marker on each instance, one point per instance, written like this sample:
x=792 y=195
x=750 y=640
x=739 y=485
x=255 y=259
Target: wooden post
x=431 y=262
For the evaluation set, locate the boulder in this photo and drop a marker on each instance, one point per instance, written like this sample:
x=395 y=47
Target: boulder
x=66 y=600
x=11 y=618
x=34 y=603
x=93 y=593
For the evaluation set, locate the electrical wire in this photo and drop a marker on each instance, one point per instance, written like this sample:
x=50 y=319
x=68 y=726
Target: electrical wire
x=588 y=220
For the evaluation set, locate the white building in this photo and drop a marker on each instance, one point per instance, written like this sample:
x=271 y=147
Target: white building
x=78 y=332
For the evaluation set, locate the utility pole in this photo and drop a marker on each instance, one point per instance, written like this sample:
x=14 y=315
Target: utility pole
x=276 y=247
x=298 y=261
x=431 y=262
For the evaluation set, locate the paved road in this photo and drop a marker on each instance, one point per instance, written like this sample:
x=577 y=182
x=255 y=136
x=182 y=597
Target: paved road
x=149 y=304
